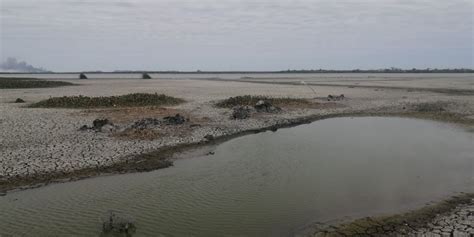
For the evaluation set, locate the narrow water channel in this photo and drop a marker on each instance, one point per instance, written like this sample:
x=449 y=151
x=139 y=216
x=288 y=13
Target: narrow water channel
x=267 y=184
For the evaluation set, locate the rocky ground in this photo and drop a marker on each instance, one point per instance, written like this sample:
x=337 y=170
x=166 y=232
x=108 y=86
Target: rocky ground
x=41 y=142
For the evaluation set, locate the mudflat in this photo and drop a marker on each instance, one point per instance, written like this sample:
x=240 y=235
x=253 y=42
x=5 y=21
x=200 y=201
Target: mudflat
x=43 y=145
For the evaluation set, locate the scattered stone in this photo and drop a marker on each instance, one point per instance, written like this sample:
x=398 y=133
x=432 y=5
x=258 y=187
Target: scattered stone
x=146 y=123
x=84 y=128
x=108 y=128
x=82 y=76
x=265 y=106
x=174 y=120
x=153 y=122
x=99 y=123
x=146 y=76
x=19 y=100
x=336 y=97
x=241 y=112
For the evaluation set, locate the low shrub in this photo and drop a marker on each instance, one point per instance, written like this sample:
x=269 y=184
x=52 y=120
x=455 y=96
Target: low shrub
x=251 y=100
x=129 y=100
x=18 y=83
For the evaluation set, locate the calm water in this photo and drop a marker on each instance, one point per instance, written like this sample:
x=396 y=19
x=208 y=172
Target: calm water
x=266 y=184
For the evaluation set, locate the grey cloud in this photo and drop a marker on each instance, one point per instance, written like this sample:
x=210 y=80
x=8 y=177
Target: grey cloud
x=243 y=33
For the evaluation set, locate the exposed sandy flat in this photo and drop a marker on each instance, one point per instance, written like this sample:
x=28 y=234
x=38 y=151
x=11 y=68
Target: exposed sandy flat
x=47 y=140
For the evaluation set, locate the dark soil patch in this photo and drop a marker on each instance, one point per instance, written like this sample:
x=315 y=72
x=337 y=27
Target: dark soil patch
x=129 y=100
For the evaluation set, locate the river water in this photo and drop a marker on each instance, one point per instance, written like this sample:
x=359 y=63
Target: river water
x=266 y=184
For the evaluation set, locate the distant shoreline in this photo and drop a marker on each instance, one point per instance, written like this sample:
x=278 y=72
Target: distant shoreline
x=385 y=71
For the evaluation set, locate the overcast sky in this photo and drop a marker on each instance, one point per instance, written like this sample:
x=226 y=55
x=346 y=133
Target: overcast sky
x=73 y=35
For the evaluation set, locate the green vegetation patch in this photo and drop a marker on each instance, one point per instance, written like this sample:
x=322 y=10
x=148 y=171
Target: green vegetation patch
x=129 y=100
x=18 y=83
x=251 y=100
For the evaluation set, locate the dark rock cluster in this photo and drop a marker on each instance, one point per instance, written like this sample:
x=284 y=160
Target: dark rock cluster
x=152 y=122
x=146 y=123
x=241 y=112
x=262 y=106
x=267 y=107
x=174 y=120
x=336 y=97
x=146 y=76
x=103 y=125
x=99 y=125
x=19 y=100
x=82 y=76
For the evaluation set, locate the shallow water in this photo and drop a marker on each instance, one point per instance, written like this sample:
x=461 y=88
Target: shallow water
x=266 y=184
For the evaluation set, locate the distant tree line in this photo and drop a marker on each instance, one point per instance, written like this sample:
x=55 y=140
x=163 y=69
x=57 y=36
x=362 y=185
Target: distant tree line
x=386 y=70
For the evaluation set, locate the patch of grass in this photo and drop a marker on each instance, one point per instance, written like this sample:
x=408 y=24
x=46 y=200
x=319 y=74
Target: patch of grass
x=18 y=83
x=251 y=100
x=129 y=100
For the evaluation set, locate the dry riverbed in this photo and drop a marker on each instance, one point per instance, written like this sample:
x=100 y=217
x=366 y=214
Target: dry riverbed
x=42 y=145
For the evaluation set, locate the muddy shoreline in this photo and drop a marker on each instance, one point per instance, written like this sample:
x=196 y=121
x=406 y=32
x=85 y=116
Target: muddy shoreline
x=431 y=220
x=163 y=157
